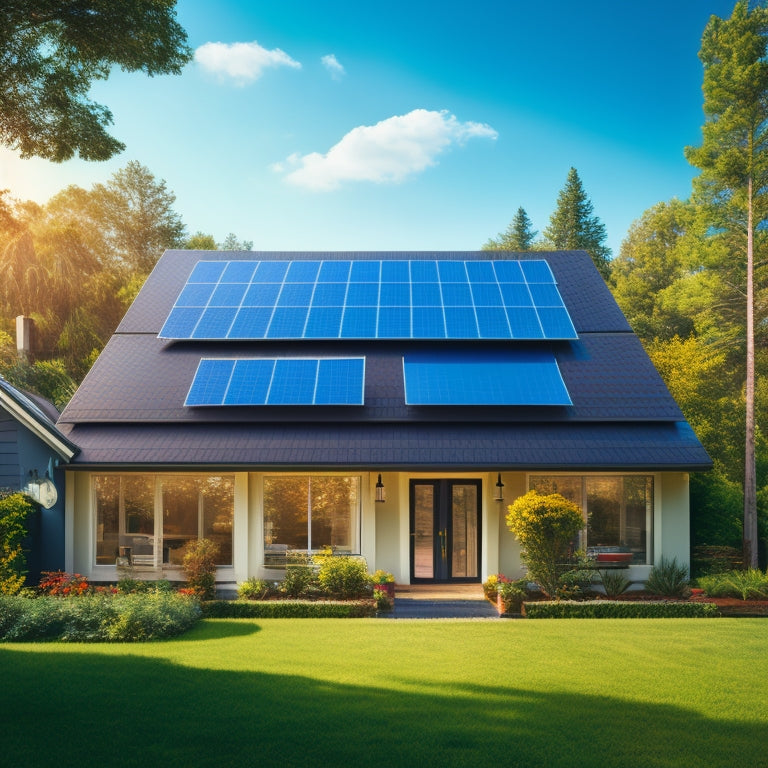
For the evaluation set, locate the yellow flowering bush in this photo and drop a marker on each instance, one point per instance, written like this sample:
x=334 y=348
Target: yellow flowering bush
x=545 y=526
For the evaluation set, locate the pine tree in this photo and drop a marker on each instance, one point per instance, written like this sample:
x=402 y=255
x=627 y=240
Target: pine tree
x=574 y=227
x=519 y=235
x=733 y=159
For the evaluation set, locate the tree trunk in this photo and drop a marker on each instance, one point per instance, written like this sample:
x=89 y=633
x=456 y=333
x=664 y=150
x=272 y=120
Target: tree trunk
x=749 y=540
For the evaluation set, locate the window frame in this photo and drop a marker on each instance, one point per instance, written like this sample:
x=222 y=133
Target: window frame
x=651 y=515
x=157 y=479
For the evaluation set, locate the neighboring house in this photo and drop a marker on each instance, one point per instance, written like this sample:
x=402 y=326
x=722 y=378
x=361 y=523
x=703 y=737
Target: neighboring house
x=31 y=450
x=375 y=403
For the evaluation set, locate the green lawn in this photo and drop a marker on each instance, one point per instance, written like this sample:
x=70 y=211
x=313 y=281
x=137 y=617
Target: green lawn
x=571 y=693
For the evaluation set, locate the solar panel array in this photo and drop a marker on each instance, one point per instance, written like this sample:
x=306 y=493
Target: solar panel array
x=285 y=381
x=524 y=378
x=417 y=299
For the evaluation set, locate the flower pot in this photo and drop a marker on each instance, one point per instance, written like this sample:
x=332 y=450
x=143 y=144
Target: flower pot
x=388 y=587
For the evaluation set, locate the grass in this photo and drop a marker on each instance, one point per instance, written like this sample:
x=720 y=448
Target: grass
x=571 y=693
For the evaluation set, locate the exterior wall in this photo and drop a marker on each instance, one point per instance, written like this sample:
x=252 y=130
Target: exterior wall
x=384 y=527
x=22 y=452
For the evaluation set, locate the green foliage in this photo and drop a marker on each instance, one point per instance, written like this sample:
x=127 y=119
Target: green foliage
x=512 y=594
x=15 y=508
x=668 y=578
x=199 y=564
x=614 y=582
x=519 y=235
x=607 y=609
x=710 y=559
x=97 y=617
x=63 y=584
x=299 y=580
x=545 y=526
x=255 y=589
x=343 y=577
x=490 y=586
x=288 y=609
x=382 y=600
x=574 y=227
x=382 y=577
x=750 y=584
x=51 y=53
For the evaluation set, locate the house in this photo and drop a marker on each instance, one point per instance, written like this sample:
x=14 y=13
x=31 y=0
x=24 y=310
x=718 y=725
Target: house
x=380 y=404
x=31 y=452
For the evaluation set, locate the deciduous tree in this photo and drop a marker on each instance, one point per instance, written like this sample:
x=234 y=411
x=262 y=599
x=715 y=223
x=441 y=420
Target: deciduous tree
x=51 y=51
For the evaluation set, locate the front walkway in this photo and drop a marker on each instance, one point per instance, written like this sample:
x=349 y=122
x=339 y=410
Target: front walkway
x=441 y=601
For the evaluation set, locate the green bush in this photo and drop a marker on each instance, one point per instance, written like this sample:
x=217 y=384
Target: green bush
x=343 y=577
x=299 y=581
x=614 y=582
x=288 y=609
x=616 y=609
x=512 y=594
x=668 y=578
x=14 y=510
x=751 y=584
x=255 y=589
x=545 y=526
x=709 y=559
x=97 y=617
x=199 y=564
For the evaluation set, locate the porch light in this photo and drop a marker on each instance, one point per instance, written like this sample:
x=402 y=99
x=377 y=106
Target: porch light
x=499 y=490
x=381 y=494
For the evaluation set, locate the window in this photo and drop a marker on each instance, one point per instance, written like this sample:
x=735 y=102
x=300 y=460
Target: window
x=618 y=510
x=156 y=515
x=310 y=514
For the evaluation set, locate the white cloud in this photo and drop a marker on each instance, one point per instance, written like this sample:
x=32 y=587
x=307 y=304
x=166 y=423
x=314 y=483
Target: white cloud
x=386 y=152
x=331 y=63
x=243 y=62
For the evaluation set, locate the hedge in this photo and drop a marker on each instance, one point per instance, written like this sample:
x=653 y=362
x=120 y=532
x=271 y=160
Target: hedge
x=617 y=609
x=96 y=618
x=288 y=609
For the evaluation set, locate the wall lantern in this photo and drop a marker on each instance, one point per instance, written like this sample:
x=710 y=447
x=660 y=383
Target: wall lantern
x=499 y=490
x=381 y=494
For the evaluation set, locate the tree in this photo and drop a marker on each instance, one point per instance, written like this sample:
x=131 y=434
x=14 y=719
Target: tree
x=51 y=51
x=231 y=243
x=733 y=159
x=519 y=235
x=574 y=227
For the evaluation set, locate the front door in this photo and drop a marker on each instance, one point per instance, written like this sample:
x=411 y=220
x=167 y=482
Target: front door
x=445 y=530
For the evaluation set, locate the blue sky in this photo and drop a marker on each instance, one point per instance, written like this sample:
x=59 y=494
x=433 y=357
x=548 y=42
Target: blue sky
x=412 y=126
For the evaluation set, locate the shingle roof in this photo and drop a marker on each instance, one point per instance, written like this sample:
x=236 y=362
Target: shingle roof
x=130 y=408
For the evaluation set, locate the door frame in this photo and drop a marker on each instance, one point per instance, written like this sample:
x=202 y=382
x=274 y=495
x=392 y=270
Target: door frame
x=443 y=518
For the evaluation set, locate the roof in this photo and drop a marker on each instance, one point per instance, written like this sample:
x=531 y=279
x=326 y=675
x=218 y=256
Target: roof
x=130 y=409
x=38 y=416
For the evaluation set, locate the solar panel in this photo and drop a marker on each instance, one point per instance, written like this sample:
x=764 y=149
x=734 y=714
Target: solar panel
x=516 y=377
x=420 y=299
x=278 y=381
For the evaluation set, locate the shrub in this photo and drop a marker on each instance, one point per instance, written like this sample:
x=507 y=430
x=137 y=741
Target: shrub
x=605 y=609
x=751 y=584
x=668 y=578
x=14 y=510
x=199 y=564
x=299 y=580
x=490 y=586
x=97 y=617
x=382 y=577
x=546 y=527
x=382 y=600
x=343 y=577
x=288 y=609
x=255 y=589
x=63 y=584
x=614 y=583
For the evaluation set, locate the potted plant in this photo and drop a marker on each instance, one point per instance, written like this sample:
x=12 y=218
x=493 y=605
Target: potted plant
x=383 y=581
x=510 y=596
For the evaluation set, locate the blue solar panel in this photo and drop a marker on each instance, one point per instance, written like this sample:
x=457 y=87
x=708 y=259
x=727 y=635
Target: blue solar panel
x=355 y=300
x=517 y=377
x=277 y=381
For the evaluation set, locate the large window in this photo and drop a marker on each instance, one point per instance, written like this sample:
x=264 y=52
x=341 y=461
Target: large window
x=618 y=510
x=156 y=515
x=309 y=514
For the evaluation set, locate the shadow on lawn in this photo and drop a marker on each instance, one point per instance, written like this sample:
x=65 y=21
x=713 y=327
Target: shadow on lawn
x=97 y=709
